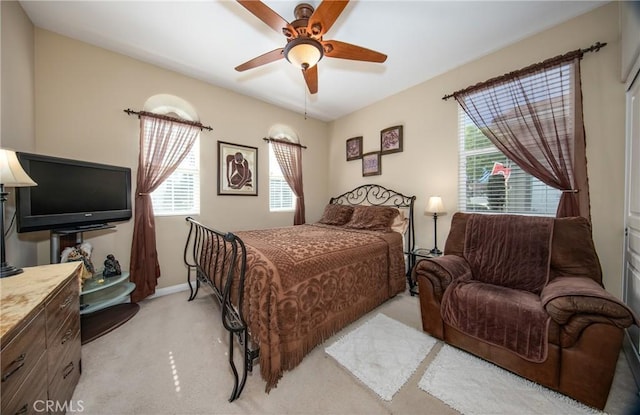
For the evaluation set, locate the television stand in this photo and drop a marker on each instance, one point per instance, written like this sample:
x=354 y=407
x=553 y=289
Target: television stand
x=63 y=238
x=105 y=305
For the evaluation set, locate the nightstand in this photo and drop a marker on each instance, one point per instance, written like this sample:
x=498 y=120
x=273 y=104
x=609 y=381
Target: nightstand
x=413 y=257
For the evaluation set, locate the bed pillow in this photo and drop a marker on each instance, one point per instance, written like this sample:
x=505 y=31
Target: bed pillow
x=336 y=215
x=400 y=222
x=375 y=218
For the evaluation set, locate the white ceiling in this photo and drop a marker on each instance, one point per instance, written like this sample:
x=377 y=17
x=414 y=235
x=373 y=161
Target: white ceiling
x=208 y=39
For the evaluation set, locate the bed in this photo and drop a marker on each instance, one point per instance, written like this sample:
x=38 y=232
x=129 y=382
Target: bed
x=283 y=291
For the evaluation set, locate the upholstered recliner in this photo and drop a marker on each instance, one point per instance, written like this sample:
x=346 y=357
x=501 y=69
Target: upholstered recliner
x=526 y=294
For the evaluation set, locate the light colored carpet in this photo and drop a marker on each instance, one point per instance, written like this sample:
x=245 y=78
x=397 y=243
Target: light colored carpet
x=489 y=389
x=382 y=353
x=170 y=359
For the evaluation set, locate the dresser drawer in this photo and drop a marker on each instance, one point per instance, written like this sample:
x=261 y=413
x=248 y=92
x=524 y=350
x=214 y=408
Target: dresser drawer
x=31 y=398
x=62 y=341
x=67 y=301
x=63 y=381
x=19 y=357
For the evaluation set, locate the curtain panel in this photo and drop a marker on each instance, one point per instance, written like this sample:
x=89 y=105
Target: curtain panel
x=534 y=116
x=289 y=158
x=163 y=146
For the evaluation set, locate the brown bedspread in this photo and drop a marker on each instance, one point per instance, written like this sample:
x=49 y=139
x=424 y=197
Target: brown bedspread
x=304 y=283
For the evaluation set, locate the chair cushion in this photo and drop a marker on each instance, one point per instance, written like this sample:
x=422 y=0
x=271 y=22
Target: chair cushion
x=513 y=319
x=512 y=251
x=573 y=252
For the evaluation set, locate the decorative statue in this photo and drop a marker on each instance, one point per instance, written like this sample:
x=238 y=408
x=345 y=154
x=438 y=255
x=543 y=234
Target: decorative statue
x=81 y=252
x=111 y=267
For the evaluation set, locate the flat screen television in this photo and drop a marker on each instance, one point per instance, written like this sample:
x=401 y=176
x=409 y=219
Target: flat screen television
x=71 y=194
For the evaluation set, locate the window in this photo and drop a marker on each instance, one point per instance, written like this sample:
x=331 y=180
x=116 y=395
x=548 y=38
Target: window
x=490 y=182
x=180 y=193
x=281 y=196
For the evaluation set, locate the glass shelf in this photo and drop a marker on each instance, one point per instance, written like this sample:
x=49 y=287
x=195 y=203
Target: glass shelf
x=115 y=294
x=98 y=282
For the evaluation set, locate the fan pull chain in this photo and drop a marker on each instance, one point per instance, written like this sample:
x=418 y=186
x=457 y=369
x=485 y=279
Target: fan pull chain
x=305 y=102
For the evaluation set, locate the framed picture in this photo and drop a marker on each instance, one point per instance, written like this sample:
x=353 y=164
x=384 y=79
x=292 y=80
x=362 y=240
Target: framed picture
x=354 y=148
x=371 y=164
x=391 y=140
x=237 y=169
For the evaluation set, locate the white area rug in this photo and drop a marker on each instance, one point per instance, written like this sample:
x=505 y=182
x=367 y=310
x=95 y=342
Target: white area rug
x=473 y=386
x=382 y=353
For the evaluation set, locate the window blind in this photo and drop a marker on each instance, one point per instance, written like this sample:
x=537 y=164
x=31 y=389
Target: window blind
x=281 y=196
x=180 y=193
x=490 y=182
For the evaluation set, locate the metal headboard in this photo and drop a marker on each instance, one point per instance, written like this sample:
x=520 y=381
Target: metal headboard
x=376 y=195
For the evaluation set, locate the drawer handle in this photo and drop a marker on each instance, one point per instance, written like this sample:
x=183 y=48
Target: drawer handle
x=23 y=410
x=68 y=369
x=18 y=363
x=67 y=301
x=67 y=336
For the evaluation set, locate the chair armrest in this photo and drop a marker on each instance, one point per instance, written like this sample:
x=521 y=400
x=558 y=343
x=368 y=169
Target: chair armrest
x=567 y=297
x=441 y=271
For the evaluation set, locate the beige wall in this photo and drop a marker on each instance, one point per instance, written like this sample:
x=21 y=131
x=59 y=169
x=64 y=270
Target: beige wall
x=429 y=163
x=81 y=91
x=17 y=119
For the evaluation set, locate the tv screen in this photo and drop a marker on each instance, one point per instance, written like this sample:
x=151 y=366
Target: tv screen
x=71 y=194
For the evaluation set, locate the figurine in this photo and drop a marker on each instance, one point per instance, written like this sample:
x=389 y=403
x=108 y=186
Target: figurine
x=111 y=267
x=80 y=252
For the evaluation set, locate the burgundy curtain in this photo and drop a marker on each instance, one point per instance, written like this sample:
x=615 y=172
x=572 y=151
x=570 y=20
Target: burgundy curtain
x=534 y=116
x=163 y=145
x=289 y=156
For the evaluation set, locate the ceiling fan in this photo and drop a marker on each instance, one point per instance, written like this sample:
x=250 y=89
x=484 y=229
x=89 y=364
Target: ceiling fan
x=305 y=45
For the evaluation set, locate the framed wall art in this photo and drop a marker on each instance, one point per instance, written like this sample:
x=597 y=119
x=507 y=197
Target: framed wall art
x=371 y=164
x=237 y=169
x=391 y=140
x=354 y=148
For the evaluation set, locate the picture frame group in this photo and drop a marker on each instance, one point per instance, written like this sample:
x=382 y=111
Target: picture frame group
x=391 y=141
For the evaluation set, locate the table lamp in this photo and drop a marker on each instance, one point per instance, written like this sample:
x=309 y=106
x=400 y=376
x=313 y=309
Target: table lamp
x=11 y=175
x=435 y=207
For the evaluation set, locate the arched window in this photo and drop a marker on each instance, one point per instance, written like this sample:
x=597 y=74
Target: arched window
x=180 y=193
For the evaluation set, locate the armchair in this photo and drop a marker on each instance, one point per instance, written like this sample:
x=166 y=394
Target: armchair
x=526 y=293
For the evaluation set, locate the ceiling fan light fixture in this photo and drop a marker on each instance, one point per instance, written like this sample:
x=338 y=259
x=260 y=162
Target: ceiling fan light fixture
x=303 y=52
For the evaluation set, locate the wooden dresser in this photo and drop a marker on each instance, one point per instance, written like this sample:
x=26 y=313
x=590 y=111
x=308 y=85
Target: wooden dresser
x=40 y=339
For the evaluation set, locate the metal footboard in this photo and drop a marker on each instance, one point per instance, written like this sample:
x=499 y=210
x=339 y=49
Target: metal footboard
x=218 y=260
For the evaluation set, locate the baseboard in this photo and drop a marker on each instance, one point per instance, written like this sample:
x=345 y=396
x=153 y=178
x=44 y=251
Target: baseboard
x=632 y=358
x=169 y=290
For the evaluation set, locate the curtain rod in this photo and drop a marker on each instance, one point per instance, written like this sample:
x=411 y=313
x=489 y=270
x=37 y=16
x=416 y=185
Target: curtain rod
x=167 y=118
x=284 y=142
x=569 y=55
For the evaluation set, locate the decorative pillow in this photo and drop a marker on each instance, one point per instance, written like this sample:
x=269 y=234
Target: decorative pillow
x=375 y=218
x=400 y=223
x=336 y=215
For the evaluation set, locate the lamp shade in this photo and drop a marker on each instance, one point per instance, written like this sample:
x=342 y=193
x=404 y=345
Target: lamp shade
x=11 y=172
x=435 y=205
x=303 y=52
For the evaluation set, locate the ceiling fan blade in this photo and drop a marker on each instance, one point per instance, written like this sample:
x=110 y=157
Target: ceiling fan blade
x=271 y=18
x=343 y=50
x=311 y=77
x=263 y=59
x=325 y=16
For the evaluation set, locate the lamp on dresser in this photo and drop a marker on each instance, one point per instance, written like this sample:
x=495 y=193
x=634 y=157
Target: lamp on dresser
x=435 y=207
x=11 y=175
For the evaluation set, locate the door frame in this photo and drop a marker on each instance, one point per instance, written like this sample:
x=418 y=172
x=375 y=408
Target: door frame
x=631 y=350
